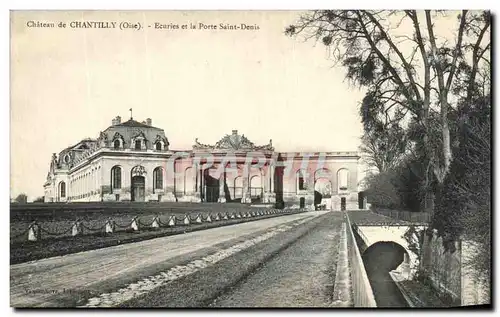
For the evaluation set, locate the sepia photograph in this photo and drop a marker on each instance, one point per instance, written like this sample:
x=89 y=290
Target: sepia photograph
x=250 y=159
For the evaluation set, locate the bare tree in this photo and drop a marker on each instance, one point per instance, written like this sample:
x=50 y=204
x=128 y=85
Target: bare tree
x=21 y=198
x=408 y=76
x=383 y=148
x=39 y=199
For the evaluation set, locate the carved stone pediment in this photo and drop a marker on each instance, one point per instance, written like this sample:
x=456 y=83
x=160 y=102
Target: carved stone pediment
x=139 y=135
x=138 y=170
x=118 y=136
x=234 y=142
x=163 y=139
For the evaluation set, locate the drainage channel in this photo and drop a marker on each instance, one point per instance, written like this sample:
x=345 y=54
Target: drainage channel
x=379 y=261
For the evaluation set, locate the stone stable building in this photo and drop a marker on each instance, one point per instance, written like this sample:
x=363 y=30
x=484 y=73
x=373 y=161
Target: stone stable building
x=131 y=161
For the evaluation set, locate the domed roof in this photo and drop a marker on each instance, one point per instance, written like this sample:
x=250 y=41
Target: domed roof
x=130 y=130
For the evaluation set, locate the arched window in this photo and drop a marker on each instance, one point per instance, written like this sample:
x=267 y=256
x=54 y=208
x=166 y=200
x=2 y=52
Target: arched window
x=158 y=146
x=116 y=177
x=300 y=180
x=343 y=179
x=62 y=189
x=238 y=187
x=116 y=144
x=256 y=186
x=158 y=178
x=189 y=180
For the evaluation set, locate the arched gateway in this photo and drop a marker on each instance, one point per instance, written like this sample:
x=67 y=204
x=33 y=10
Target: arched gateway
x=138 y=183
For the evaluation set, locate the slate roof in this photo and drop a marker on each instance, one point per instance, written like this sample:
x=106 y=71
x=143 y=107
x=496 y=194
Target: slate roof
x=133 y=123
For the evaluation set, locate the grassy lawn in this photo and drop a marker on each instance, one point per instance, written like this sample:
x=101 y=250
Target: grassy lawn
x=58 y=221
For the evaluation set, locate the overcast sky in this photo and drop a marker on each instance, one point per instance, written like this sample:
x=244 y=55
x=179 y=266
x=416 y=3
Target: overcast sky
x=67 y=84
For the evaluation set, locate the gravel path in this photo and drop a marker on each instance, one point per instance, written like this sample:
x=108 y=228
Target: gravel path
x=302 y=275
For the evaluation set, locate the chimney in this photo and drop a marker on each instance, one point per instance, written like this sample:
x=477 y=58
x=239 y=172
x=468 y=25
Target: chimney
x=148 y=121
x=235 y=132
x=116 y=120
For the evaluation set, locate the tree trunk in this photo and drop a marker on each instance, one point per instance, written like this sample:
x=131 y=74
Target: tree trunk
x=446 y=141
x=429 y=201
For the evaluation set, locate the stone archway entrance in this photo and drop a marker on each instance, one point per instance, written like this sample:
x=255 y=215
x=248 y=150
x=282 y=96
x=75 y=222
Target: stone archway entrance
x=302 y=203
x=256 y=190
x=211 y=192
x=322 y=194
x=361 y=200
x=138 y=183
x=138 y=188
x=323 y=189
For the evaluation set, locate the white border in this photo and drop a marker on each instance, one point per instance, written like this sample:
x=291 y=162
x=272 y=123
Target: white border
x=248 y=5
x=179 y=5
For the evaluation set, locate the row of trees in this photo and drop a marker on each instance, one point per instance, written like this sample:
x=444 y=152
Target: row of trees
x=23 y=199
x=426 y=112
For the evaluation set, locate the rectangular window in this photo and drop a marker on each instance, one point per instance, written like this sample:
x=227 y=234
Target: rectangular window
x=117 y=178
x=159 y=182
x=138 y=144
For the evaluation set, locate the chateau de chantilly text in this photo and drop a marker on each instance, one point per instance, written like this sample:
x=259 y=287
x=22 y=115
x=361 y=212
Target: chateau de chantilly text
x=132 y=25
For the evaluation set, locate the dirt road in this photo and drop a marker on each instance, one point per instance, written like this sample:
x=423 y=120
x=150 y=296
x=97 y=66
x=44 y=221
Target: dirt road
x=302 y=275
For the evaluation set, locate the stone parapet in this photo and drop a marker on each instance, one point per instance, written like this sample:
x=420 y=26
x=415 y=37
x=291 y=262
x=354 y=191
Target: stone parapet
x=342 y=292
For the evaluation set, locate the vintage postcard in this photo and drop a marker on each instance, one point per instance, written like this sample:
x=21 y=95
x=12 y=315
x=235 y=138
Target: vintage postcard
x=293 y=159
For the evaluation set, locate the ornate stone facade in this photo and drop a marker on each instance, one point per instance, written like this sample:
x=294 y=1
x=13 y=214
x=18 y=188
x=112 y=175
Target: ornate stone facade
x=131 y=161
x=234 y=142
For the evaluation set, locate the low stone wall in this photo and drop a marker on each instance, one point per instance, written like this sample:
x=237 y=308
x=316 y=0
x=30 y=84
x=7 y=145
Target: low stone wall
x=342 y=291
x=442 y=267
x=446 y=270
x=362 y=290
x=474 y=291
